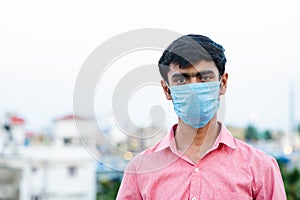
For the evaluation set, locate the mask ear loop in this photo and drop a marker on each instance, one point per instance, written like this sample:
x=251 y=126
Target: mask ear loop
x=220 y=82
x=169 y=90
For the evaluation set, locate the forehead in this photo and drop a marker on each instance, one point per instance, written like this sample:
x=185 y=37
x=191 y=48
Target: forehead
x=197 y=67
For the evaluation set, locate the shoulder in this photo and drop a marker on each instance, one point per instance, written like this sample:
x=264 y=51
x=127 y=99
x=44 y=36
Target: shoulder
x=253 y=155
x=148 y=160
x=155 y=157
x=242 y=150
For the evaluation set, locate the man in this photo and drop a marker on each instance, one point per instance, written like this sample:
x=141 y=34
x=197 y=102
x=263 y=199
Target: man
x=199 y=158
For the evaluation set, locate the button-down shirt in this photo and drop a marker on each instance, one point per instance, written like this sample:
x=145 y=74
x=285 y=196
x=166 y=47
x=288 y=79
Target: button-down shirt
x=231 y=169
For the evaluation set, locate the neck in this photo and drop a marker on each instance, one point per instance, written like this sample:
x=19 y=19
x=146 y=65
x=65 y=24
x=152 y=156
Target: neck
x=193 y=142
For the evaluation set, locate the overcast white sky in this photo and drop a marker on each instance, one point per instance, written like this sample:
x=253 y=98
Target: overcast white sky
x=43 y=45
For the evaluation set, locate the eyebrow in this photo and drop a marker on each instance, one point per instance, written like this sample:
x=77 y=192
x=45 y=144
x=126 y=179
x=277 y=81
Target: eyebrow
x=187 y=75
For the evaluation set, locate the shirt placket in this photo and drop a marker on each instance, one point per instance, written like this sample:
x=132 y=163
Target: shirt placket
x=195 y=183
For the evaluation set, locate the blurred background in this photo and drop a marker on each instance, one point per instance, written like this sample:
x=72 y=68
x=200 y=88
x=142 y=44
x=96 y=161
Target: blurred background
x=44 y=44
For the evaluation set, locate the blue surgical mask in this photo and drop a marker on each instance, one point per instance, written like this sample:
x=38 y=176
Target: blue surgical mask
x=196 y=103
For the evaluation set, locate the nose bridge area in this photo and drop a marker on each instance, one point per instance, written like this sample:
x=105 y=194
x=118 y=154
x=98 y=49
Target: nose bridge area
x=193 y=72
x=194 y=79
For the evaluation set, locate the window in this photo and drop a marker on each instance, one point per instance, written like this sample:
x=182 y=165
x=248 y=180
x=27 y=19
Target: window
x=72 y=171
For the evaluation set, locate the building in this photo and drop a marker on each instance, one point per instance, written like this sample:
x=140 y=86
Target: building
x=61 y=170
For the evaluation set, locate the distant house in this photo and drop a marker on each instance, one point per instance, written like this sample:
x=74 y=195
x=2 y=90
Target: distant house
x=18 y=129
x=76 y=130
x=12 y=134
x=56 y=173
x=59 y=171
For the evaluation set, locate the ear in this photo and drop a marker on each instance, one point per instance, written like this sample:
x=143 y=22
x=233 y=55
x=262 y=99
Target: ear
x=223 y=83
x=166 y=90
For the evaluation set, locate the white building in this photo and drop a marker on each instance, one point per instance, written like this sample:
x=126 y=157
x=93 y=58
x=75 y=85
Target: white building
x=65 y=132
x=12 y=134
x=59 y=171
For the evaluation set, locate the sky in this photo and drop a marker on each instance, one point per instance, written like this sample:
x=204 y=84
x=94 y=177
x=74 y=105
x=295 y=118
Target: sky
x=43 y=45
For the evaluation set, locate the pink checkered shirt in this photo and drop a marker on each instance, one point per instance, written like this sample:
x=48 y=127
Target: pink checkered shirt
x=231 y=169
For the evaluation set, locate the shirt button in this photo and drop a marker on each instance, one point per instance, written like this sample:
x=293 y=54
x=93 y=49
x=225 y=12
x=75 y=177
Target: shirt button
x=194 y=198
x=196 y=169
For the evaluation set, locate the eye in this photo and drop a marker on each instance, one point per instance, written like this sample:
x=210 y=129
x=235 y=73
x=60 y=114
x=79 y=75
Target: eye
x=207 y=77
x=180 y=80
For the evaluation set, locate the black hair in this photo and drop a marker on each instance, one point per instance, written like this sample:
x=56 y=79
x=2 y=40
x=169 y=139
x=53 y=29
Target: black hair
x=190 y=49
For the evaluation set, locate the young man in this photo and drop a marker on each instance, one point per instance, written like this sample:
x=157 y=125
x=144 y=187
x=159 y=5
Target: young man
x=199 y=158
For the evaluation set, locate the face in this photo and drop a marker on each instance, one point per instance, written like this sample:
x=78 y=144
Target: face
x=203 y=71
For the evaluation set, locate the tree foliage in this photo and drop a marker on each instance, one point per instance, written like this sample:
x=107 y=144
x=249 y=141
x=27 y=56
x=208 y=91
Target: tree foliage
x=251 y=133
x=267 y=135
x=108 y=189
x=291 y=179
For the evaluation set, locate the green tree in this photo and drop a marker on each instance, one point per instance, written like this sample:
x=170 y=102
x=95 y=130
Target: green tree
x=267 y=134
x=108 y=189
x=291 y=179
x=251 y=133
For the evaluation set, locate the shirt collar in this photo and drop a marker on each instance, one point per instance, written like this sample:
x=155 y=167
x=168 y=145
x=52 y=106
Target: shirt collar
x=224 y=137
x=168 y=140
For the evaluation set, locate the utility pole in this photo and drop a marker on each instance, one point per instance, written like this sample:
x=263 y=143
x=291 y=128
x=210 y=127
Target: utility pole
x=292 y=107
